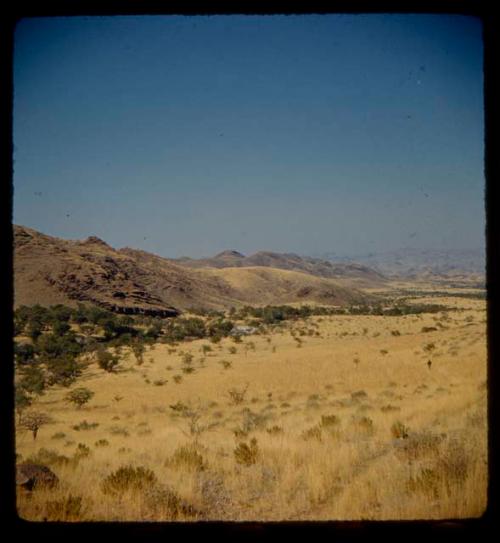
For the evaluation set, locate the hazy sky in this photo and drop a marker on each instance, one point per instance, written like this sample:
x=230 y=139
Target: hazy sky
x=306 y=134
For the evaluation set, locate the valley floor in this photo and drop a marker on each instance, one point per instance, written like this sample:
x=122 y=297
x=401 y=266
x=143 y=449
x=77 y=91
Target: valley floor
x=330 y=418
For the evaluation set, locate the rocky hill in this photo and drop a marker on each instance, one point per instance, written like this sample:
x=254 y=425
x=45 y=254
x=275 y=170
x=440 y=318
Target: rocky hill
x=360 y=274
x=50 y=270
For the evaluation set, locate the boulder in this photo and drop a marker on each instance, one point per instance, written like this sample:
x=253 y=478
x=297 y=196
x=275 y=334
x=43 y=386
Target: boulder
x=30 y=476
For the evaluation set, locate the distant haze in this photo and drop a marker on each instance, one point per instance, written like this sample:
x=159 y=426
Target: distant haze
x=186 y=136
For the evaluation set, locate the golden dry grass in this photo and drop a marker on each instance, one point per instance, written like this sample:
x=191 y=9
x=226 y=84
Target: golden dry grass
x=306 y=465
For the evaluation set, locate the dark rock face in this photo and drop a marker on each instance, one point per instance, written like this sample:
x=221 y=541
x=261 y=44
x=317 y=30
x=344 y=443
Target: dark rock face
x=30 y=476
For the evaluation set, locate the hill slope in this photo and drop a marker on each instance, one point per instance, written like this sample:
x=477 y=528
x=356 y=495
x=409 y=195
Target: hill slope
x=49 y=270
x=359 y=274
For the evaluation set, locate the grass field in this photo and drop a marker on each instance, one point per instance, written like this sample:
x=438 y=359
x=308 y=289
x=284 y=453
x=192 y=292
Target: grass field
x=334 y=417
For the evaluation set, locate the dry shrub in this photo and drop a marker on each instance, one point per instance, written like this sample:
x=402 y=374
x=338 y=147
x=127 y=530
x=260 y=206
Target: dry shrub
x=216 y=499
x=426 y=482
x=247 y=454
x=128 y=478
x=389 y=408
x=84 y=425
x=101 y=443
x=329 y=421
x=166 y=504
x=419 y=445
x=274 y=430
x=48 y=457
x=237 y=396
x=119 y=431
x=253 y=421
x=398 y=429
x=187 y=457
x=312 y=433
x=67 y=509
x=454 y=462
x=82 y=451
x=364 y=425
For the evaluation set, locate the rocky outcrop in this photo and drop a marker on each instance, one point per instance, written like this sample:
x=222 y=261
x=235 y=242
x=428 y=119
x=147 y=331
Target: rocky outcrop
x=32 y=476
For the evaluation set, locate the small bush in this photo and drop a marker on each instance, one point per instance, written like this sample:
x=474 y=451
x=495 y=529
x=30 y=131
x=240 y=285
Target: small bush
x=48 y=457
x=389 y=408
x=226 y=364
x=420 y=445
x=68 y=508
x=329 y=421
x=177 y=379
x=399 y=430
x=59 y=435
x=119 y=431
x=101 y=443
x=84 y=425
x=427 y=482
x=159 y=382
x=364 y=425
x=274 y=430
x=187 y=457
x=107 y=361
x=237 y=396
x=82 y=451
x=247 y=454
x=312 y=433
x=128 y=479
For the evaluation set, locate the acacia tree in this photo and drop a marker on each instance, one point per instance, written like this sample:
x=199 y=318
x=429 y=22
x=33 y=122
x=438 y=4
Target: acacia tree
x=34 y=421
x=79 y=396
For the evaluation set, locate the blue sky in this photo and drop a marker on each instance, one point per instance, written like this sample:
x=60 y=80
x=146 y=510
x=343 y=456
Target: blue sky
x=307 y=134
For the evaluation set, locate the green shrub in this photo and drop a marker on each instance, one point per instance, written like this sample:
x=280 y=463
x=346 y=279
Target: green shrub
x=79 y=396
x=107 y=361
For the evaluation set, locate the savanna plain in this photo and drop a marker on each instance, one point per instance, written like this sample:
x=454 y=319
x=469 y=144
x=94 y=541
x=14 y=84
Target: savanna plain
x=302 y=416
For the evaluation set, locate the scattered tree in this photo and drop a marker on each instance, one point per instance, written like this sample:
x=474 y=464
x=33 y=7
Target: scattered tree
x=79 y=396
x=34 y=421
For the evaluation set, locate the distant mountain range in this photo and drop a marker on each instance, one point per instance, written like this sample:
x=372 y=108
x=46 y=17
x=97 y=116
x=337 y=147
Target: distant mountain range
x=420 y=263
